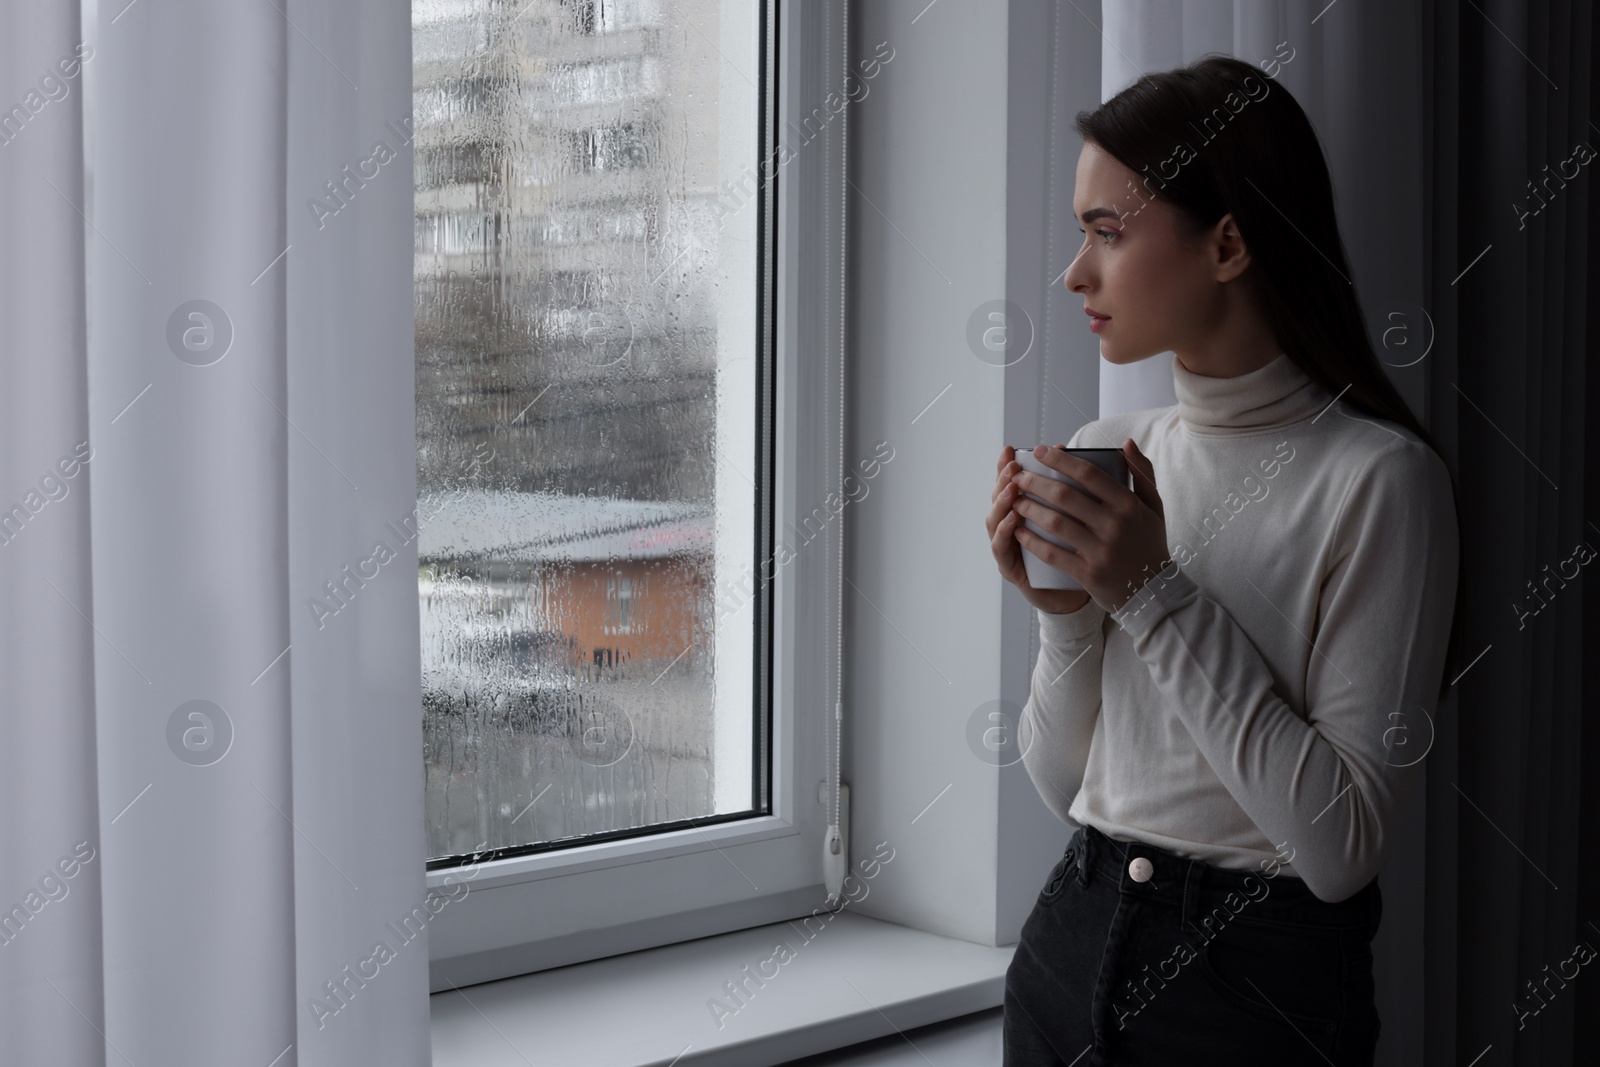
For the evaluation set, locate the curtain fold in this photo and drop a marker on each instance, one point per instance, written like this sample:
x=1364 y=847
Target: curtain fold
x=51 y=852
x=361 y=907
x=243 y=773
x=1513 y=884
x=189 y=531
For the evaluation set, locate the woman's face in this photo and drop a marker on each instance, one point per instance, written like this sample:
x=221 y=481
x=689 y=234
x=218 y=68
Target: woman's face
x=1162 y=293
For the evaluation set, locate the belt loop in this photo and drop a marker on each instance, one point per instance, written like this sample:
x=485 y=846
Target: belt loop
x=1086 y=842
x=1191 y=895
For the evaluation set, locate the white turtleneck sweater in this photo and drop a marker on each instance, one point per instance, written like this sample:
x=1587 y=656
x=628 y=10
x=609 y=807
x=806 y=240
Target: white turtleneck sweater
x=1271 y=693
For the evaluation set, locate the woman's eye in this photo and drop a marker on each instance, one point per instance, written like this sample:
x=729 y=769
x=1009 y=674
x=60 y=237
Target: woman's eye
x=1107 y=234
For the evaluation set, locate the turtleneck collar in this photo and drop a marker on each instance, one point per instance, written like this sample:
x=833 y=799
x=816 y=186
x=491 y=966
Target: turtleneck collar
x=1273 y=395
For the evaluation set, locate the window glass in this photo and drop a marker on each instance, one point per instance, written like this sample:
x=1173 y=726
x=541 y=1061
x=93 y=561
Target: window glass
x=588 y=420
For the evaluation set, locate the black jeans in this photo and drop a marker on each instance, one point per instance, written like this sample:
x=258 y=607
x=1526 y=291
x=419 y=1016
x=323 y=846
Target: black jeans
x=1193 y=965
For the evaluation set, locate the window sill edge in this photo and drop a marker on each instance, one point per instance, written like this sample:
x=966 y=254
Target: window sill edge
x=824 y=993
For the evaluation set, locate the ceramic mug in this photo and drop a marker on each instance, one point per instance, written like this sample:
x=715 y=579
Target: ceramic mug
x=1111 y=460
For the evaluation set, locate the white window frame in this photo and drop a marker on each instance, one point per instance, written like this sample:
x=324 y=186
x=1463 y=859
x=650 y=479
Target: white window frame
x=548 y=909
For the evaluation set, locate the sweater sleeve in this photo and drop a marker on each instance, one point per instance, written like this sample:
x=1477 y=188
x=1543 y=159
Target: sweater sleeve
x=1327 y=785
x=1063 y=700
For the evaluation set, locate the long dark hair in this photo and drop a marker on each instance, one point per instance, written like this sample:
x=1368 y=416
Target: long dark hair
x=1250 y=150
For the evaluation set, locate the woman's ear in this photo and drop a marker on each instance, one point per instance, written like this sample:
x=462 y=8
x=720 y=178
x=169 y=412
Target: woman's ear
x=1233 y=255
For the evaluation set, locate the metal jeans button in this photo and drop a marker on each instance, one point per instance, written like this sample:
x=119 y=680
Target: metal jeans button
x=1141 y=869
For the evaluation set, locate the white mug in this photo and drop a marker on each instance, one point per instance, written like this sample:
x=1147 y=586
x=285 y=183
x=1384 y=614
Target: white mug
x=1111 y=460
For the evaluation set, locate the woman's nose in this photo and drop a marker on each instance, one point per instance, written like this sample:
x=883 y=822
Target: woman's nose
x=1074 y=277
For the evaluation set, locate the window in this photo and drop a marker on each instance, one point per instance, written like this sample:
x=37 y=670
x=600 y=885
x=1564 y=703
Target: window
x=598 y=79
x=610 y=16
x=619 y=603
x=549 y=457
x=606 y=452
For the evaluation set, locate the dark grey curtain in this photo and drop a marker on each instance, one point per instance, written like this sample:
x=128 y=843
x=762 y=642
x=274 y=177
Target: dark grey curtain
x=1513 y=868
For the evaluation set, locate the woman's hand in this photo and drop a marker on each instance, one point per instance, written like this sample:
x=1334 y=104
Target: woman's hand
x=1121 y=538
x=1003 y=523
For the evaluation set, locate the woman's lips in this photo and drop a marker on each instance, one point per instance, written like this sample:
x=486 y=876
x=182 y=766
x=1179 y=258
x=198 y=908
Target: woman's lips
x=1096 y=322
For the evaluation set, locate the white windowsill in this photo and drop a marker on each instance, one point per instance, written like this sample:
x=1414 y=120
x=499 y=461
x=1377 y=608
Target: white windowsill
x=855 y=979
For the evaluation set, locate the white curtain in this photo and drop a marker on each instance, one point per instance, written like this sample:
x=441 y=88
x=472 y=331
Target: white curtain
x=51 y=859
x=240 y=779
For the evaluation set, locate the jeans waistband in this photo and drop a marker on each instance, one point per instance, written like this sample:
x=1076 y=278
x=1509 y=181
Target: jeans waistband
x=1199 y=888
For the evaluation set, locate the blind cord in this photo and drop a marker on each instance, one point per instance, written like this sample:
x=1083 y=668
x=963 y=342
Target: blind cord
x=833 y=857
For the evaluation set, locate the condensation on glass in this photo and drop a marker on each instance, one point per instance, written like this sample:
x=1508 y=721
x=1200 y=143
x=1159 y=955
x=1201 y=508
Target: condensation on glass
x=586 y=295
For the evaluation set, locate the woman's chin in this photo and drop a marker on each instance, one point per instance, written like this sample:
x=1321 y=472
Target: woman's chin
x=1121 y=355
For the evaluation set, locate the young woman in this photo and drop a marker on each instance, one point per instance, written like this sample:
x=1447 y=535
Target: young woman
x=1237 y=704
